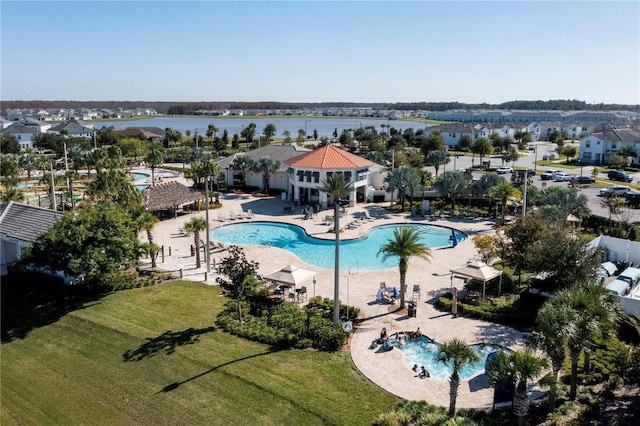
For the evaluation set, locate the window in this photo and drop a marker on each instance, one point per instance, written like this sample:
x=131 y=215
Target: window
x=586 y=156
x=613 y=145
x=587 y=144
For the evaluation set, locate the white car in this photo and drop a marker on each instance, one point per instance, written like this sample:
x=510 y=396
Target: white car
x=504 y=170
x=617 y=190
x=562 y=177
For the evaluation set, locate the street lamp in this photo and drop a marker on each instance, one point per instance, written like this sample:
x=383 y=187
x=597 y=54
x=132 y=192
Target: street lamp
x=305 y=128
x=206 y=200
x=195 y=136
x=535 y=161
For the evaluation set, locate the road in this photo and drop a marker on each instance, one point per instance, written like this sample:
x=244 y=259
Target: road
x=528 y=160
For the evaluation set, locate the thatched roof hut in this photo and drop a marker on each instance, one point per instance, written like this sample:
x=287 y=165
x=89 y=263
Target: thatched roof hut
x=169 y=195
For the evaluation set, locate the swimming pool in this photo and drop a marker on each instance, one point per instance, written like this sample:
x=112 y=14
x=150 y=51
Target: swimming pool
x=355 y=254
x=142 y=187
x=140 y=176
x=423 y=351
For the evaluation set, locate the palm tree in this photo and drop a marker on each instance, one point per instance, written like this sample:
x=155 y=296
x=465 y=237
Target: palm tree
x=11 y=193
x=335 y=186
x=195 y=226
x=211 y=132
x=503 y=191
x=458 y=354
x=267 y=166
x=243 y=163
x=453 y=184
x=526 y=366
x=269 y=130
x=482 y=147
x=593 y=313
x=405 y=243
x=554 y=327
x=436 y=158
x=154 y=159
x=146 y=221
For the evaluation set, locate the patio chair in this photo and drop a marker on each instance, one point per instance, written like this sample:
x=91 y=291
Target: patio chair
x=221 y=217
x=416 y=292
x=383 y=286
x=367 y=216
x=250 y=214
x=232 y=215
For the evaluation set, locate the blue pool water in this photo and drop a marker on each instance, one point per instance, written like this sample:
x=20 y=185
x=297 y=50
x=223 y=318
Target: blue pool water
x=142 y=187
x=140 y=176
x=423 y=352
x=355 y=254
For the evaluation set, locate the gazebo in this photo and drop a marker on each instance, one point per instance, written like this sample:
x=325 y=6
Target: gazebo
x=169 y=195
x=291 y=276
x=479 y=271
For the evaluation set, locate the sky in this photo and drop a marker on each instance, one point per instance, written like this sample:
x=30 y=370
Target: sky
x=320 y=51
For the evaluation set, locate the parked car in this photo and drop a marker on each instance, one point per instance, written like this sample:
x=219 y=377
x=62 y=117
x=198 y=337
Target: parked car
x=614 y=191
x=504 y=170
x=619 y=175
x=548 y=175
x=583 y=179
x=562 y=177
x=633 y=199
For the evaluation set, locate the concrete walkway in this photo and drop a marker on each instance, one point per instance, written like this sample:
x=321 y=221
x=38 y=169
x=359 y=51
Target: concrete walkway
x=387 y=369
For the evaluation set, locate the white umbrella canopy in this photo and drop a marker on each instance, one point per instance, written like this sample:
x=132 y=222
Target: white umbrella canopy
x=479 y=271
x=290 y=275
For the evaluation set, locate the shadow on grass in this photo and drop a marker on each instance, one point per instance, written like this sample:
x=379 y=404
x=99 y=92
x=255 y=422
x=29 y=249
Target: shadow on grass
x=175 y=385
x=31 y=301
x=167 y=342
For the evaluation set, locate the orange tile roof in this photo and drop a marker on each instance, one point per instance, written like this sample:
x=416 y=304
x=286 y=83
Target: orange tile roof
x=329 y=157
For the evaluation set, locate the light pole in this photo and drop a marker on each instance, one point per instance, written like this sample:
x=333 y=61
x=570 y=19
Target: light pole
x=206 y=200
x=535 y=160
x=195 y=136
x=305 y=129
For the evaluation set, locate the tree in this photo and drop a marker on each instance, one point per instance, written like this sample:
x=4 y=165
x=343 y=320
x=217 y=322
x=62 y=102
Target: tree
x=10 y=170
x=211 y=131
x=195 y=226
x=9 y=144
x=132 y=147
x=613 y=204
x=553 y=329
x=96 y=240
x=28 y=162
x=452 y=184
x=487 y=247
x=114 y=186
x=510 y=154
x=459 y=355
x=405 y=244
x=248 y=132
x=503 y=192
x=465 y=142
x=400 y=179
x=436 y=158
x=302 y=137
x=627 y=152
x=145 y=221
x=268 y=131
x=593 y=313
x=568 y=200
x=267 y=166
x=243 y=163
x=287 y=136
x=482 y=147
x=517 y=368
x=236 y=272
x=154 y=158
x=335 y=186
x=433 y=142
x=315 y=134
x=569 y=151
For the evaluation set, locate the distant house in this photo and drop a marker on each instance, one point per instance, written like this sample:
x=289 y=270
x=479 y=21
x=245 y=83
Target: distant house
x=75 y=128
x=24 y=134
x=279 y=179
x=599 y=147
x=20 y=226
x=152 y=134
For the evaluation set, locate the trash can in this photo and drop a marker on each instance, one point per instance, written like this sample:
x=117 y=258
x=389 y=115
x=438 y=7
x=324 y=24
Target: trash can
x=412 y=309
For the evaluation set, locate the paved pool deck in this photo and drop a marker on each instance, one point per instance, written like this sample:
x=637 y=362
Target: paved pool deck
x=358 y=288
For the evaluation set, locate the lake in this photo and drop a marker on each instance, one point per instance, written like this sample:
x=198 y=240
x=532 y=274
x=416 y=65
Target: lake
x=325 y=126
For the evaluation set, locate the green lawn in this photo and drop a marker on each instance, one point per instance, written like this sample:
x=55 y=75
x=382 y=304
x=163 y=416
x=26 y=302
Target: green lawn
x=153 y=356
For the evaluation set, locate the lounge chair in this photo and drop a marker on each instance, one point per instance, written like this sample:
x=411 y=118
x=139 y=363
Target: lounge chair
x=249 y=214
x=232 y=215
x=416 y=292
x=367 y=216
x=221 y=217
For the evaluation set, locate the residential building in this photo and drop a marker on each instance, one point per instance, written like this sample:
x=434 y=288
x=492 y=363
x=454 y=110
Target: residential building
x=599 y=147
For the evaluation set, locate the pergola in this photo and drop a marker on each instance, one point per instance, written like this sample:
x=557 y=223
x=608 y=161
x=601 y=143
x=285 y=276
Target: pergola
x=169 y=195
x=478 y=271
